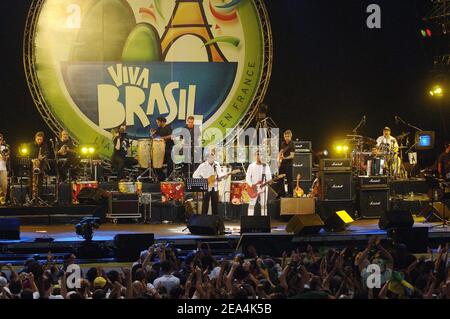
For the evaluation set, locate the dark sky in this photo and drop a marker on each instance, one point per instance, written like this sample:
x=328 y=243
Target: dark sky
x=329 y=69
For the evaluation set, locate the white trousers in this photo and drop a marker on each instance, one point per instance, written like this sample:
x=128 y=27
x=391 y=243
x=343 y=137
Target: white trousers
x=3 y=183
x=262 y=201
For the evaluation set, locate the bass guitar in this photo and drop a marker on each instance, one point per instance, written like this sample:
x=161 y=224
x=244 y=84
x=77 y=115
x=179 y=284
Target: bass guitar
x=255 y=190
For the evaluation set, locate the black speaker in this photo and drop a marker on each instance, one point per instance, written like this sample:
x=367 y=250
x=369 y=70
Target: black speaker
x=92 y=196
x=10 y=228
x=255 y=224
x=302 y=164
x=129 y=246
x=373 y=203
x=336 y=186
x=305 y=224
x=396 y=219
x=206 y=225
x=338 y=221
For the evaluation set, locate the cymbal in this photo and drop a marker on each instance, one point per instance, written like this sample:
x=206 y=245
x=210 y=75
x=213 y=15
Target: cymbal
x=403 y=135
x=354 y=136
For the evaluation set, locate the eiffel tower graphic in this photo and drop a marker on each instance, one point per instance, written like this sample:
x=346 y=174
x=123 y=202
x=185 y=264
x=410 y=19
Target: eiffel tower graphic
x=189 y=18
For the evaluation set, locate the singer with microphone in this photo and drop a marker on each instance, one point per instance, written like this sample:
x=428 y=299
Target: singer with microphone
x=66 y=155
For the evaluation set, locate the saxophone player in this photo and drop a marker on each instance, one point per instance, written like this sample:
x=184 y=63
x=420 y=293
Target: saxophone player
x=4 y=158
x=39 y=155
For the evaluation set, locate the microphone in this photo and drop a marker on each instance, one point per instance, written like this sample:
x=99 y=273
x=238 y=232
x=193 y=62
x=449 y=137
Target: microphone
x=397 y=119
x=364 y=119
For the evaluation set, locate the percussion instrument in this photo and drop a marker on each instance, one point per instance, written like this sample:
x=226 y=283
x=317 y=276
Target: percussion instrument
x=144 y=151
x=130 y=187
x=172 y=191
x=78 y=186
x=158 y=150
x=239 y=194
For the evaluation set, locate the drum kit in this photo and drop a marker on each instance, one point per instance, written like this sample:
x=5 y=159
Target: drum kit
x=370 y=160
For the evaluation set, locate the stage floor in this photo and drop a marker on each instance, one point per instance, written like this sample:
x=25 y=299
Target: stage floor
x=177 y=231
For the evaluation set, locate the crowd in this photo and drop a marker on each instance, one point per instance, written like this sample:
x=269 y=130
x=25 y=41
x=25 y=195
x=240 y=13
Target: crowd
x=159 y=273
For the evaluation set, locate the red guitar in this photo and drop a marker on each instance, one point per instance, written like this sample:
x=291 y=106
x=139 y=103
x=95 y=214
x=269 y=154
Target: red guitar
x=257 y=189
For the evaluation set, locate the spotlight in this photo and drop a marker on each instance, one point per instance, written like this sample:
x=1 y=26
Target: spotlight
x=437 y=91
x=24 y=150
x=340 y=148
x=87 y=150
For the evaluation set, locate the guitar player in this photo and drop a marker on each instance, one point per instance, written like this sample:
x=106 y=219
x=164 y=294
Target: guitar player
x=286 y=158
x=205 y=170
x=258 y=173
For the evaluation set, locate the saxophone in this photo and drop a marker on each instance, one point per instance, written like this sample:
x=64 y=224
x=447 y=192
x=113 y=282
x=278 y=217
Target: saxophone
x=36 y=167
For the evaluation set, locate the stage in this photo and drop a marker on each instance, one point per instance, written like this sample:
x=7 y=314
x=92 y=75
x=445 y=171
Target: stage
x=37 y=241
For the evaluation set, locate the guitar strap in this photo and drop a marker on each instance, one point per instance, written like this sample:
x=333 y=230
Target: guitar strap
x=264 y=173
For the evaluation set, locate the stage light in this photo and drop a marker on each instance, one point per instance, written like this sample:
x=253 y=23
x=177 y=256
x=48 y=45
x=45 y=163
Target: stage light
x=24 y=150
x=84 y=150
x=91 y=150
x=428 y=32
x=437 y=91
x=340 y=148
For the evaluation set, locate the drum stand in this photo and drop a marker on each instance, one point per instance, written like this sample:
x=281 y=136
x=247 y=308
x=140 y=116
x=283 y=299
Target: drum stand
x=151 y=174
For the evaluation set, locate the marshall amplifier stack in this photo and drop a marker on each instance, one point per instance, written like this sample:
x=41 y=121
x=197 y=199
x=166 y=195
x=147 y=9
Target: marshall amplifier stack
x=373 y=196
x=303 y=161
x=336 y=180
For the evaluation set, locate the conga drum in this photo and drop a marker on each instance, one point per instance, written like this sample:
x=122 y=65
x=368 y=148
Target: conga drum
x=158 y=150
x=144 y=151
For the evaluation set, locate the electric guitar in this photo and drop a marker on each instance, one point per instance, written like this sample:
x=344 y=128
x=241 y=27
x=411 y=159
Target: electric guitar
x=298 y=191
x=213 y=178
x=255 y=190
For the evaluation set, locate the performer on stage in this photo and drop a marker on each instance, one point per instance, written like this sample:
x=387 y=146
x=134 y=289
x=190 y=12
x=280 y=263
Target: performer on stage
x=39 y=149
x=4 y=158
x=258 y=173
x=388 y=146
x=65 y=154
x=119 y=159
x=210 y=168
x=39 y=156
x=444 y=163
x=164 y=132
x=386 y=143
x=194 y=146
x=287 y=153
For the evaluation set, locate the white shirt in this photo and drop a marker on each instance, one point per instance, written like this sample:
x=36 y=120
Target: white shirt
x=2 y=162
x=167 y=281
x=390 y=142
x=206 y=170
x=255 y=174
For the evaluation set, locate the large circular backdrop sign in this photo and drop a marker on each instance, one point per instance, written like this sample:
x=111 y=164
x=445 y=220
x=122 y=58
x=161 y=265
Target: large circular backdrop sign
x=95 y=64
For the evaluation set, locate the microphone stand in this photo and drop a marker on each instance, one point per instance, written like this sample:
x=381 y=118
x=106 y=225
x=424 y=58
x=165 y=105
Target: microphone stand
x=409 y=125
x=355 y=130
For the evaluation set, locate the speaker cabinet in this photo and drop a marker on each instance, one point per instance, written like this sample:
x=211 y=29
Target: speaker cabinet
x=297 y=206
x=336 y=186
x=129 y=246
x=396 y=219
x=255 y=224
x=338 y=221
x=10 y=228
x=373 y=203
x=302 y=164
x=206 y=225
x=305 y=224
